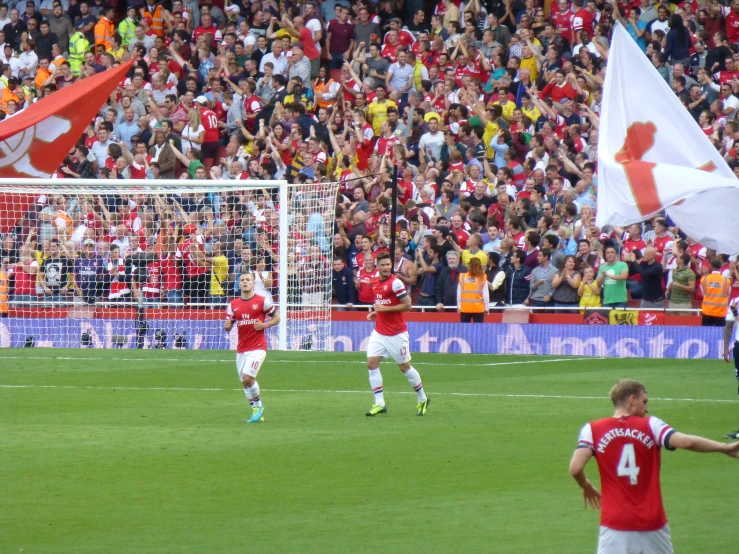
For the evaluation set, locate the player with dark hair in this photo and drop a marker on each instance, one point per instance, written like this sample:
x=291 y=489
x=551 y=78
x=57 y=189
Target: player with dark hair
x=249 y=313
x=390 y=337
x=628 y=449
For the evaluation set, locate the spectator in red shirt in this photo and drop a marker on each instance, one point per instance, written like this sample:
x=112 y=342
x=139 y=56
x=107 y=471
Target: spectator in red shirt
x=558 y=88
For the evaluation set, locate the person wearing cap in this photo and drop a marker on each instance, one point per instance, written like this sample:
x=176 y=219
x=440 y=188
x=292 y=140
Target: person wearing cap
x=104 y=29
x=88 y=273
x=209 y=121
x=29 y=14
x=155 y=13
x=8 y=94
x=11 y=64
x=405 y=38
x=78 y=46
x=127 y=27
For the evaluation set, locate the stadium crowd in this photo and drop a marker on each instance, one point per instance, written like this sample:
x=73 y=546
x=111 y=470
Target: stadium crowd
x=488 y=111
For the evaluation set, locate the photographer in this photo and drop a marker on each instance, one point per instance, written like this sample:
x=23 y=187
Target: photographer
x=651 y=270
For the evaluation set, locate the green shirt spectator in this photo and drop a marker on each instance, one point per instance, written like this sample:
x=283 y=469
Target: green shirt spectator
x=612 y=278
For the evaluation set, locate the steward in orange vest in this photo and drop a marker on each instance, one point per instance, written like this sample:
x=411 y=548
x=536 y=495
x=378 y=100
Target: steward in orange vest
x=473 y=295
x=716 y=291
x=156 y=13
x=104 y=29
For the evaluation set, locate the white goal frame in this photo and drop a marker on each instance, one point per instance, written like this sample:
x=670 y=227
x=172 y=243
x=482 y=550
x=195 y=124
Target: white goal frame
x=171 y=186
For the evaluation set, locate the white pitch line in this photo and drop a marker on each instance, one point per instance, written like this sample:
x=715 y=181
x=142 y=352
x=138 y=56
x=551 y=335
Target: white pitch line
x=232 y=360
x=323 y=391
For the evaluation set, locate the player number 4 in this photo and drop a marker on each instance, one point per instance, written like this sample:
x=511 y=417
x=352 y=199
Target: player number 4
x=627 y=464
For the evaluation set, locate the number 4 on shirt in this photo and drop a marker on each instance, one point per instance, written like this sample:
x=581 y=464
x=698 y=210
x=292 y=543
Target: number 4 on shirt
x=627 y=464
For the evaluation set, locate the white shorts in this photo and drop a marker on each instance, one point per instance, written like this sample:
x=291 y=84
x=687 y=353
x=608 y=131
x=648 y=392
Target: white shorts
x=250 y=362
x=396 y=347
x=635 y=542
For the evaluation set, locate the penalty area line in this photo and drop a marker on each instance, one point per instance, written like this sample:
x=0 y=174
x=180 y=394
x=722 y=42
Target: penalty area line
x=268 y=361
x=326 y=391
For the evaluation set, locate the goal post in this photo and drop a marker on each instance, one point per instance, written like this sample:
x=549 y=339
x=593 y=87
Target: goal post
x=143 y=237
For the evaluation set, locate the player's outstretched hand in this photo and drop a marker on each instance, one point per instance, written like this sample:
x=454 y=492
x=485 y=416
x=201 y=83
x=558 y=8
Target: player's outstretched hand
x=258 y=326
x=371 y=316
x=591 y=496
x=733 y=450
x=726 y=355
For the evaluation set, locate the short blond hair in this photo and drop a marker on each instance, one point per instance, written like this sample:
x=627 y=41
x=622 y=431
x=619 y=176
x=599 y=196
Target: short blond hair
x=625 y=389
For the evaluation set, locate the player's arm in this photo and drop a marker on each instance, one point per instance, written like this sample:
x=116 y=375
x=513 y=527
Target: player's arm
x=274 y=320
x=229 y=323
x=580 y=458
x=700 y=444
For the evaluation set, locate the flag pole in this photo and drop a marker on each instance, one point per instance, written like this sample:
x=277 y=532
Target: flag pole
x=393 y=210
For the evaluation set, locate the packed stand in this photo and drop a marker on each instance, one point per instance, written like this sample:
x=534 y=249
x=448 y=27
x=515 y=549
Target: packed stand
x=488 y=112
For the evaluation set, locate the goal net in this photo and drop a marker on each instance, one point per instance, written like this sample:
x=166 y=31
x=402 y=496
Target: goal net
x=132 y=264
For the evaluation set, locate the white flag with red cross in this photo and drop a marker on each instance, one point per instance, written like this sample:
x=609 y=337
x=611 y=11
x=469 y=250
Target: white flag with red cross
x=652 y=156
x=34 y=142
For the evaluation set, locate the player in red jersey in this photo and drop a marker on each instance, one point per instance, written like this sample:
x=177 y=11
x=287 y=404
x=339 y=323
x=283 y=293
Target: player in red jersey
x=627 y=448
x=249 y=313
x=390 y=337
x=210 y=124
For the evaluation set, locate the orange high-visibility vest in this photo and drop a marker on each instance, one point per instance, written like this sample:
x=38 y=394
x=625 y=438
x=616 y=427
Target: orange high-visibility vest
x=470 y=289
x=6 y=95
x=716 y=295
x=320 y=88
x=157 y=21
x=4 y=289
x=104 y=29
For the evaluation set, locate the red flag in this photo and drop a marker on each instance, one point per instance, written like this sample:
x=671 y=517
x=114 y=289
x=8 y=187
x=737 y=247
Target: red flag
x=34 y=142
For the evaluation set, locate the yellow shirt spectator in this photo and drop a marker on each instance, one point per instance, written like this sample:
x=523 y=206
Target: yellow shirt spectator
x=480 y=255
x=530 y=64
x=533 y=114
x=117 y=54
x=220 y=275
x=508 y=108
x=491 y=129
x=378 y=113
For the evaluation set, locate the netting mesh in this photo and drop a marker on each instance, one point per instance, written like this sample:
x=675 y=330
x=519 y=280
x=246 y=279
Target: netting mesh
x=103 y=264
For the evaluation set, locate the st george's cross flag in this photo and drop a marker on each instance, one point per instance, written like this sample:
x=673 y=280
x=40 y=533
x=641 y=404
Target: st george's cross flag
x=34 y=142
x=652 y=156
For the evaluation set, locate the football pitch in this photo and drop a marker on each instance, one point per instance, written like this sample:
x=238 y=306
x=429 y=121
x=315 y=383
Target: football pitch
x=131 y=451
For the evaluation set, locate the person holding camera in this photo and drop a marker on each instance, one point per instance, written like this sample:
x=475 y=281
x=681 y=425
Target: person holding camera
x=651 y=271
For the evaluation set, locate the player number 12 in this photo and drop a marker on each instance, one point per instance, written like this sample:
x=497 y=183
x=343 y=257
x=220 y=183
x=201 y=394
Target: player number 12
x=627 y=464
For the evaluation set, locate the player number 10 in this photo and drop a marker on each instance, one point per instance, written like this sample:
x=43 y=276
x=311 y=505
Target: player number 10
x=627 y=464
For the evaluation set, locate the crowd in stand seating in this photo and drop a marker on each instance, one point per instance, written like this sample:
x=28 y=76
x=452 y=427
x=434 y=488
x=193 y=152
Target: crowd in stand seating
x=487 y=111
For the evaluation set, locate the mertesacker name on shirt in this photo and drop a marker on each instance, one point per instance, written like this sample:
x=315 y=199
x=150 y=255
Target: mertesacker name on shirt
x=631 y=433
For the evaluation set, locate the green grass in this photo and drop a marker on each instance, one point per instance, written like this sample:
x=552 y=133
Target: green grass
x=103 y=452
